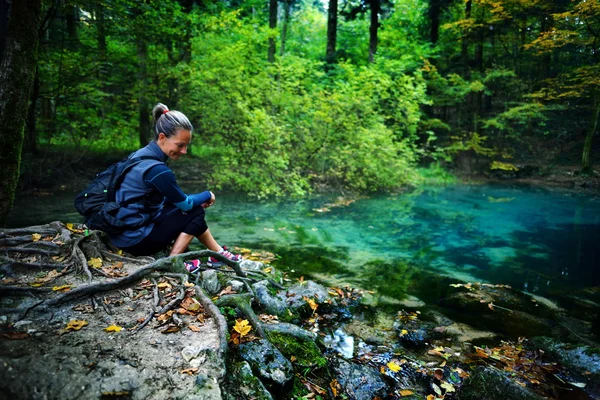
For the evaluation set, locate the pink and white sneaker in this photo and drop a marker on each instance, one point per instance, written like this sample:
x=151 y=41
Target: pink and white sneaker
x=192 y=266
x=213 y=262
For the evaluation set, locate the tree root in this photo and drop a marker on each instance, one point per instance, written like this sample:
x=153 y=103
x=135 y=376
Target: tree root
x=290 y=329
x=243 y=303
x=214 y=312
x=29 y=250
x=21 y=290
x=16 y=263
x=116 y=257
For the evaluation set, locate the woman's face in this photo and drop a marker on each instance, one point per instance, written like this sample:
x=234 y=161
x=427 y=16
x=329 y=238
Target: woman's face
x=175 y=145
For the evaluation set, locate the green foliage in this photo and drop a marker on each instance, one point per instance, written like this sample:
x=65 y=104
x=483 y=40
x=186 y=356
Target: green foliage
x=305 y=352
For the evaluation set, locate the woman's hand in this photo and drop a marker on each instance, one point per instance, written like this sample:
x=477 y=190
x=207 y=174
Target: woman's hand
x=210 y=202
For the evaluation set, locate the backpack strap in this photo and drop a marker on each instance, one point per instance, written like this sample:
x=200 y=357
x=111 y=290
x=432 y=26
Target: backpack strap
x=115 y=182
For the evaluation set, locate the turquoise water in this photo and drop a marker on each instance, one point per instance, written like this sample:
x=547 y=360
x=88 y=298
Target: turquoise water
x=541 y=241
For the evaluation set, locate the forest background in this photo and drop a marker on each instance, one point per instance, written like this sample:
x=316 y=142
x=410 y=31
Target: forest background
x=288 y=97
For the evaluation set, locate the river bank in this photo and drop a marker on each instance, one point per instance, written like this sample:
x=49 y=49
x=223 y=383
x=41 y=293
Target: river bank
x=275 y=336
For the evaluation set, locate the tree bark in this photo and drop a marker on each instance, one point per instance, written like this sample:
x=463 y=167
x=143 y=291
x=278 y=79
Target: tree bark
x=586 y=164
x=144 y=113
x=464 y=51
x=272 y=25
x=331 y=31
x=373 y=28
x=31 y=137
x=17 y=69
x=434 y=20
x=287 y=5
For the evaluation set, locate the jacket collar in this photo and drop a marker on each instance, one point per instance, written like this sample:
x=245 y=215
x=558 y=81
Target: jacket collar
x=155 y=150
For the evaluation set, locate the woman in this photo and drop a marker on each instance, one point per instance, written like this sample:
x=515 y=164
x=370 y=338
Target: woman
x=150 y=193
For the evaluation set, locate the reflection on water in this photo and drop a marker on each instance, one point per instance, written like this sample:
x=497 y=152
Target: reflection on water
x=540 y=241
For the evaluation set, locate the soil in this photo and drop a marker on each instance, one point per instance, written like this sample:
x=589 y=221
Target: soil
x=51 y=362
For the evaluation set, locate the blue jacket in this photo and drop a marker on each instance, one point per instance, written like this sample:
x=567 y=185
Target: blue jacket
x=148 y=208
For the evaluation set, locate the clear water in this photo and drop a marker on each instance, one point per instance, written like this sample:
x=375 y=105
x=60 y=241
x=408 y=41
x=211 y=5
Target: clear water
x=541 y=241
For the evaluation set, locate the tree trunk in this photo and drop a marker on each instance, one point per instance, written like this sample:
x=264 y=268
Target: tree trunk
x=464 y=52
x=434 y=20
x=287 y=5
x=17 y=69
x=586 y=164
x=373 y=28
x=331 y=31
x=72 y=17
x=272 y=25
x=4 y=14
x=144 y=113
x=31 y=137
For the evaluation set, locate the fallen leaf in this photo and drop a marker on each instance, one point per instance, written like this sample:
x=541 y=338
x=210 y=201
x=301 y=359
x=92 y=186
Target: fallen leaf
x=448 y=386
x=74 y=325
x=268 y=270
x=189 y=371
x=63 y=288
x=578 y=384
x=188 y=284
x=430 y=397
x=35 y=237
x=242 y=327
x=227 y=290
x=15 y=335
x=403 y=332
x=95 y=262
x=393 y=366
x=113 y=328
x=406 y=392
x=164 y=285
x=333 y=385
x=436 y=389
x=171 y=328
x=194 y=328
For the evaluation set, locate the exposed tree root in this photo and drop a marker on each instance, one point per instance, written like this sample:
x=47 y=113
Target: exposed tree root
x=243 y=303
x=214 y=312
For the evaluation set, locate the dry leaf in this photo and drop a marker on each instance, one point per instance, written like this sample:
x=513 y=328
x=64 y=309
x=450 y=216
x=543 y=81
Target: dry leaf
x=63 y=288
x=171 y=328
x=406 y=392
x=164 y=285
x=14 y=335
x=333 y=385
x=194 y=328
x=403 y=332
x=95 y=262
x=74 y=325
x=448 y=386
x=189 y=371
x=227 y=290
x=35 y=237
x=113 y=328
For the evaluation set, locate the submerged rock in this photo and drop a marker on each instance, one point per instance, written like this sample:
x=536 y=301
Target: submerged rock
x=492 y=384
x=360 y=382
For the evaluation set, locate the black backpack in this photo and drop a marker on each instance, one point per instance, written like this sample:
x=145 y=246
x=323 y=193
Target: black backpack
x=97 y=202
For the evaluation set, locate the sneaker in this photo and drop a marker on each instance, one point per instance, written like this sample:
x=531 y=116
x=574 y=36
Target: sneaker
x=213 y=262
x=192 y=266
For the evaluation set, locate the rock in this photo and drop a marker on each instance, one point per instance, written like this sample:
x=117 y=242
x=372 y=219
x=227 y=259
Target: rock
x=580 y=364
x=493 y=384
x=269 y=365
x=251 y=265
x=271 y=304
x=245 y=385
x=236 y=286
x=210 y=281
x=3 y=319
x=294 y=296
x=22 y=323
x=359 y=382
x=303 y=349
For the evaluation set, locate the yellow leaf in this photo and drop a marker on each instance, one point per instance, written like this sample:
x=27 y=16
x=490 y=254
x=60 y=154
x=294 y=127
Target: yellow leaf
x=268 y=270
x=63 y=288
x=403 y=332
x=113 y=328
x=35 y=237
x=75 y=325
x=242 y=327
x=311 y=302
x=448 y=386
x=164 y=285
x=333 y=385
x=406 y=392
x=393 y=366
x=69 y=226
x=95 y=262
x=430 y=397
x=189 y=371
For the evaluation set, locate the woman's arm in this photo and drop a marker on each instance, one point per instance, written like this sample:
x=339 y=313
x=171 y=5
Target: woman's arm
x=161 y=178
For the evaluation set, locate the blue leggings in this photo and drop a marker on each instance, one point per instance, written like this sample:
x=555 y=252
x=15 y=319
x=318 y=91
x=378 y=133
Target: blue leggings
x=171 y=222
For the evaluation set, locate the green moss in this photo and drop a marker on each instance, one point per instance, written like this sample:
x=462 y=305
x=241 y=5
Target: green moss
x=305 y=352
